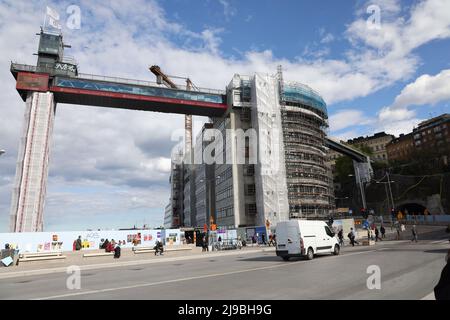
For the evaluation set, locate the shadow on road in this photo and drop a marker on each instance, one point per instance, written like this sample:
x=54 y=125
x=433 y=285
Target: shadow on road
x=278 y=259
x=263 y=258
x=437 y=251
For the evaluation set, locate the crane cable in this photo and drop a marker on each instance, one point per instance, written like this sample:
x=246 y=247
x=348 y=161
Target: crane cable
x=411 y=188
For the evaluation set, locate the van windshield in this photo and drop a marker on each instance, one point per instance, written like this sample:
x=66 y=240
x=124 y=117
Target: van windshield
x=329 y=232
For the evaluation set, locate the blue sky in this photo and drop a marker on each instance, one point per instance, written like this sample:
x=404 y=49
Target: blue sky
x=110 y=168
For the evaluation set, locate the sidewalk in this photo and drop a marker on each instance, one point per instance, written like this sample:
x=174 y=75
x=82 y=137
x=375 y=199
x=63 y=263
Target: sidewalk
x=128 y=258
x=424 y=232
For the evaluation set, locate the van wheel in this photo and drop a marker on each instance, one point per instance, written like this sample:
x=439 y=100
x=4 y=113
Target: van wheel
x=336 y=250
x=310 y=254
x=286 y=258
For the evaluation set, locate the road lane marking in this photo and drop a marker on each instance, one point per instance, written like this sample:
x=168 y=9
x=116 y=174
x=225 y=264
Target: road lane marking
x=442 y=241
x=118 y=264
x=149 y=284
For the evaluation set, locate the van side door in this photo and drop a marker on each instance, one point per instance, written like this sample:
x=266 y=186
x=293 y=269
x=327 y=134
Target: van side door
x=326 y=240
x=293 y=241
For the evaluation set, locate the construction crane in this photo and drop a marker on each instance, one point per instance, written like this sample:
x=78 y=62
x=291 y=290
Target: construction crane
x=162 y=78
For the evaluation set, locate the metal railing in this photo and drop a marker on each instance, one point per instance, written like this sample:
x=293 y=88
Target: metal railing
x=121 y=80
x=18 y=67
x=86 y=76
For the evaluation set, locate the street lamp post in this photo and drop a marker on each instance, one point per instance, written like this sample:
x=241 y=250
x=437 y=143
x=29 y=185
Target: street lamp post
x=390 y=189
x=389 y=196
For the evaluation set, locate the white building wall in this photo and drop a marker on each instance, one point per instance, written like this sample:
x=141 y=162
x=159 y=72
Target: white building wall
x=29 y=192
x=270 y=172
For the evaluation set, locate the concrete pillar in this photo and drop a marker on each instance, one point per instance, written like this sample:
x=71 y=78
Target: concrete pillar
x=32 y=165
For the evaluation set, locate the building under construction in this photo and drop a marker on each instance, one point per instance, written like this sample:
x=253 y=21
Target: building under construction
x=269 y=132
x=270 y=160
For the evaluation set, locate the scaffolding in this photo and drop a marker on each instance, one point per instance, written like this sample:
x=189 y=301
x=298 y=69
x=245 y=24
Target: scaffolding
x=308 y=175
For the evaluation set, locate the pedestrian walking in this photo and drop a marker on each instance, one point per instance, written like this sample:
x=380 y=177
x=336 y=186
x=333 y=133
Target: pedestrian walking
x=253 y=240
x=414 y=234
x=383 y=232
x=220 y=242
x=117 y=251
x=159 y=248
x=341 y=237
x=263 y=239
x=377 y=234
x=398 y=231
x=330 y=221
x=239 y=243
x=354 y=236
x=351 y=236
x=78 y=244
x=204 y=244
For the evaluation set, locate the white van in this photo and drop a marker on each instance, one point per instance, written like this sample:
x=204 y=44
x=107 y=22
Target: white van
x=305 y=238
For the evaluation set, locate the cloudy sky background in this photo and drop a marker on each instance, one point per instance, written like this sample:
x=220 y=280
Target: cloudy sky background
x=110 y=168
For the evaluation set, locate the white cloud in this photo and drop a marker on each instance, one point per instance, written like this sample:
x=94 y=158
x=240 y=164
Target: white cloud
x=212 y=41
x=327 y=38
x=388 y=114
x=347 y=118
x=228 y=9
x=426 y=89
x=346 y=135
x=388 y=52
x=399 y=126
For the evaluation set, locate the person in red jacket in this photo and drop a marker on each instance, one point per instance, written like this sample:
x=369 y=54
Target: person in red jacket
x=110 y=247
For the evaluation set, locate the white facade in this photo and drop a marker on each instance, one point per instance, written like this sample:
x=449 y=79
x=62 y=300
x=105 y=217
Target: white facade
x=270 y=172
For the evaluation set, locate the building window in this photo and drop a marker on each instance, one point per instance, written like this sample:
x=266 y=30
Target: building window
x=250 y=190
x=250 y=209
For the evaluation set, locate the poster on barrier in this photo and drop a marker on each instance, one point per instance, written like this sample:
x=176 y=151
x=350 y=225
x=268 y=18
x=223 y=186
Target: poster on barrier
x=91 y=240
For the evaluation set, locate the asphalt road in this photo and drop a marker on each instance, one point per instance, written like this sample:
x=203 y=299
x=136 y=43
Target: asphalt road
x=408 y=271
